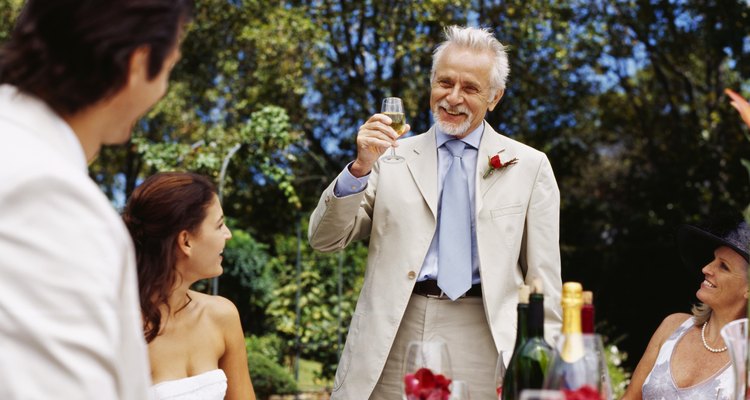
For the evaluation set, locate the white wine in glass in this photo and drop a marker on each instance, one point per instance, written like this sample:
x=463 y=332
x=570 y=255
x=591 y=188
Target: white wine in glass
x=393 y=107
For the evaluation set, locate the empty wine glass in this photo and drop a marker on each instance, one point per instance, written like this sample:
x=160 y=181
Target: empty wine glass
x=735 y=337
x=429 y=362
x=585 y=373
x=499 y=375
x=393 y=107
x=535 y=394
x=459 y=391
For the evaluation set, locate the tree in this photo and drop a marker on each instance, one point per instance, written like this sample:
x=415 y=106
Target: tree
x=624 y=96
x=238 y=82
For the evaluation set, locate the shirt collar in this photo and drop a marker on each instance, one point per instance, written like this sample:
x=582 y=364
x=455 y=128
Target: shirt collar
x=36 y=118
x=472 y=139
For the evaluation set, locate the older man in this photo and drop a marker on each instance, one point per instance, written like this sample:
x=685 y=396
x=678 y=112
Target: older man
x=454 y=230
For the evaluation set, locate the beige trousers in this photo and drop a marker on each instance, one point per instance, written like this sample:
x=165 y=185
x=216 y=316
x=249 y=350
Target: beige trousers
x=462 y=325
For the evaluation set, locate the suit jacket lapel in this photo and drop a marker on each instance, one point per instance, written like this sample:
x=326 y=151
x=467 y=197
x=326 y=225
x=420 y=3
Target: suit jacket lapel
x=422 y=163
x=492 y=143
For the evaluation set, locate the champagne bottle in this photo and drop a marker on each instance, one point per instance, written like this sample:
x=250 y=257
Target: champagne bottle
x=587 y=312
x=510 y=381
x=568 y=370
x=536 y=354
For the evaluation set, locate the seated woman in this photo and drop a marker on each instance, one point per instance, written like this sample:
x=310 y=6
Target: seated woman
x=195 y=341
x=686 y=357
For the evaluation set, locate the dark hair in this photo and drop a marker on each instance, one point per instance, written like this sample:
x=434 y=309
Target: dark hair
x=159 y=209
x=74 y=53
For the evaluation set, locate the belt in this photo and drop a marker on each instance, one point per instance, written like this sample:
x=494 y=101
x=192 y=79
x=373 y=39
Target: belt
x=429 y=288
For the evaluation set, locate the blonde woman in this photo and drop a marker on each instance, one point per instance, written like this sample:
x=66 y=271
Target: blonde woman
x=686 y=357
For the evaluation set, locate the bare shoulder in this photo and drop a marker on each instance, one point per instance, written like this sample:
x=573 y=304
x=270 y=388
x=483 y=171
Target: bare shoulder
x=217 y=308
x=670 y=324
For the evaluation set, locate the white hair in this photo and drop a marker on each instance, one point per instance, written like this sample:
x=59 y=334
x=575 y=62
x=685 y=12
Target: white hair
x=479 y=39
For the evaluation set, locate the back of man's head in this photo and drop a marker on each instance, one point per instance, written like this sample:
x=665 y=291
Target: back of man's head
x=73 y=53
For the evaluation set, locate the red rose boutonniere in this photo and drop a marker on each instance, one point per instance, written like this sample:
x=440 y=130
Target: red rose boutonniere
x=495 y=164
x=424 y=385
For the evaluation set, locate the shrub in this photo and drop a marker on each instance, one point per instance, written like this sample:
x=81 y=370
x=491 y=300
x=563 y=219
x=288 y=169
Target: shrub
x=268 y=376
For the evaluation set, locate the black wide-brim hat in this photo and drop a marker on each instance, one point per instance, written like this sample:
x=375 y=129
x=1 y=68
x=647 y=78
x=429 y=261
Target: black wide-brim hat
x=697 y=245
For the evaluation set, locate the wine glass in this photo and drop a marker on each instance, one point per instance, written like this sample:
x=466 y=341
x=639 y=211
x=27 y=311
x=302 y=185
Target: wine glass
x=579 y=366
x=393 y=107
x=459 y=391
x=735 y=337
x=426 y=361
x=499 y=375
x=536 y=394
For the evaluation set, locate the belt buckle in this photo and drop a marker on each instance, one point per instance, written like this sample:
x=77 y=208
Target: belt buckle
x=442 y=296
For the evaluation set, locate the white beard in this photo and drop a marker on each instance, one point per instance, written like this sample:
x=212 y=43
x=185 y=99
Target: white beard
x=448 y=128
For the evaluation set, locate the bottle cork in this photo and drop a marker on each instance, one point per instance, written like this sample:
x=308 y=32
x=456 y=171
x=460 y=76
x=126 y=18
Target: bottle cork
x=588 y=297
x=523 y=294
x=536 y=285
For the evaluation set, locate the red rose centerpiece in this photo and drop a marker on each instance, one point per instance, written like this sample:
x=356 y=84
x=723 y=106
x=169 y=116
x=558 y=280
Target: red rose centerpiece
x=495 y=163
x=585 y=392
x=424 y=385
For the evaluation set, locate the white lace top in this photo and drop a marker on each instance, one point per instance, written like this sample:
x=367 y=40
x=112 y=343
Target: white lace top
x=660 y=385
x=210 y=385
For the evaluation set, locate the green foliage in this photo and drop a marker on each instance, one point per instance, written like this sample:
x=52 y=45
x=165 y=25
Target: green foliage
x=270 y=346
x=620 y=377
x=268 y=376
x=625 y=97
x=246 y=280
x=236 y=83
x=9 y=9
x=324 y=314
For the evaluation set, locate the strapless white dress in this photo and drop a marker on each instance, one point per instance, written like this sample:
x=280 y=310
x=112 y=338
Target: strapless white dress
x=210 y=385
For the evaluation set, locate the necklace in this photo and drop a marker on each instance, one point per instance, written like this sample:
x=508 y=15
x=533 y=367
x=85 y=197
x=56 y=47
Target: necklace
x=189 y=299
x=705 y=344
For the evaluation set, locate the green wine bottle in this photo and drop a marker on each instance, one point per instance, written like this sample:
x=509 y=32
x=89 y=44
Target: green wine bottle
x=510 y=381
x=536 y=354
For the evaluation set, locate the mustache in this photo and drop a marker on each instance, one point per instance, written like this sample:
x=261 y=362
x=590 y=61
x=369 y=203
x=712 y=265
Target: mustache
x=453 y=109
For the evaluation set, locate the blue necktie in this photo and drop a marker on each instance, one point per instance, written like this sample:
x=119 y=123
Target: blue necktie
x=454 y=246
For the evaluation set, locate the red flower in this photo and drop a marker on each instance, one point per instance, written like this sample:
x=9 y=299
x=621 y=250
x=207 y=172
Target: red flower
x=586 y=392
x=424 y=385
x=495 y=164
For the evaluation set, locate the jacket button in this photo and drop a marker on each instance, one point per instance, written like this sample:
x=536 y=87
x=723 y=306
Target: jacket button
x=412 y=275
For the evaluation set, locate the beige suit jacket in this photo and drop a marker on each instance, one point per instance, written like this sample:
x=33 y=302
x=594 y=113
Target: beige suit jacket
x=517 y=228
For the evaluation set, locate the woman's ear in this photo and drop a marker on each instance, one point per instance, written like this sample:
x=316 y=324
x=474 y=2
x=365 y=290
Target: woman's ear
x=183 y=243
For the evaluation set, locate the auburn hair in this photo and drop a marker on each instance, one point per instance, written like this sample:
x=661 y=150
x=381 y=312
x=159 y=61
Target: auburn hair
x=159 y=209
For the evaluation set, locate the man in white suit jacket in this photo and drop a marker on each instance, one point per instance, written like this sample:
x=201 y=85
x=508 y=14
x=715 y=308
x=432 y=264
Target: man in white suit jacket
x=74 y=75
x=515 y=232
